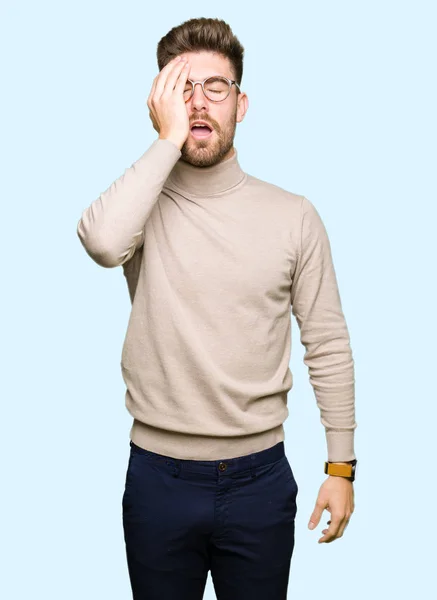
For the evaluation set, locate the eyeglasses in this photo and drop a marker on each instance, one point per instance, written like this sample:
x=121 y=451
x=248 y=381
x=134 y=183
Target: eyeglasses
x=215 y=88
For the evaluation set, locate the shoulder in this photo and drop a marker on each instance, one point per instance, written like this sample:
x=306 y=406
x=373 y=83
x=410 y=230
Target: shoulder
x=274 y=194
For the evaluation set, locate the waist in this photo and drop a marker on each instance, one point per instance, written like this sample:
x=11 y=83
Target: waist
x=202 y=447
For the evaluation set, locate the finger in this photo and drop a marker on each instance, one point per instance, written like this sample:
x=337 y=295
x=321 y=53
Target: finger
x=174 y=77
x=165 y=74
x=164 y=70
x=330 y=535
x=183 y=76
x=317 y=513
x=152 y=91
x=343 y=527
x=333 y=530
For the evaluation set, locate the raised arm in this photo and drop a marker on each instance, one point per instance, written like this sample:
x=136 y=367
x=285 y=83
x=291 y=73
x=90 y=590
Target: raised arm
x=112 y=228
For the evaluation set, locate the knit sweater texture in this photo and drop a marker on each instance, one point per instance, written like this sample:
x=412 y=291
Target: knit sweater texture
x=216 y=261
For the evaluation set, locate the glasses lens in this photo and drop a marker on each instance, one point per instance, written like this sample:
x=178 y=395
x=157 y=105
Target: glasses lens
x=216 y=89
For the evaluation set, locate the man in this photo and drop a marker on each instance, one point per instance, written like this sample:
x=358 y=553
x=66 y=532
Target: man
x=215 y=260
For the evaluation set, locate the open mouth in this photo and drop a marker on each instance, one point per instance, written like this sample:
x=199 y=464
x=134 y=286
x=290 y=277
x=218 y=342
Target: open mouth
x=201 y=132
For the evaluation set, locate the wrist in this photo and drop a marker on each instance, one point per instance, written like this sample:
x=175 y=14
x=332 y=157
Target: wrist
x=174 y=141
x=343 y=469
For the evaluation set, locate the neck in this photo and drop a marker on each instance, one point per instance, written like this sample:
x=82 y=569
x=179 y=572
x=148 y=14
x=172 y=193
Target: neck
x=207 y=181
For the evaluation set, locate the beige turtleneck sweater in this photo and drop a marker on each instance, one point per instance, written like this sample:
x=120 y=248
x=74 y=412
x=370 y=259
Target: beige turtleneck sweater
x=216 y=261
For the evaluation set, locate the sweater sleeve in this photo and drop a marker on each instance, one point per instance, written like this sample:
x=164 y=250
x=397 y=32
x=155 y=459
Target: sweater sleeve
x=317 y=308
x=111 y=229
x=131 y=271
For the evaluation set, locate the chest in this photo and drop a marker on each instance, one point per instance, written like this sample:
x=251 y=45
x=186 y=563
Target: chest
x=243 y=252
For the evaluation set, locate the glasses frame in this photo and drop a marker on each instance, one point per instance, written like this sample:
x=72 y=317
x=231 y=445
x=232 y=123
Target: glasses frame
x=202 y=83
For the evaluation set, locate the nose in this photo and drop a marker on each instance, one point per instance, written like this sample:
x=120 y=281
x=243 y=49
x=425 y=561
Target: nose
x=198 y=99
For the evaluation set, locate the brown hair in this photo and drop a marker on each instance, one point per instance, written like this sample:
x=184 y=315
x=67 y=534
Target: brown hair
x=202 y=34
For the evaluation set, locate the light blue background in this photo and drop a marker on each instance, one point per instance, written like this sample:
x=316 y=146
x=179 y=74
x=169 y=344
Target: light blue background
x=349 y=120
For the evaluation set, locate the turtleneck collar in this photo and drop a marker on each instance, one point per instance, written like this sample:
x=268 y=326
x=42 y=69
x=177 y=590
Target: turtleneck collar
x=207 y=181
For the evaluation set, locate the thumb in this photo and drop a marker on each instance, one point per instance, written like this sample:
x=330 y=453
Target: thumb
x=154 y=123
x=315 y=517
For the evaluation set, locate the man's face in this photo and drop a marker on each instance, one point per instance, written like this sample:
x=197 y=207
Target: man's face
x=221 y=116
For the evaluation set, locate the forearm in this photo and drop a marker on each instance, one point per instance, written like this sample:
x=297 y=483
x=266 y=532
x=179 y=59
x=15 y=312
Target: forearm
x=112 y=227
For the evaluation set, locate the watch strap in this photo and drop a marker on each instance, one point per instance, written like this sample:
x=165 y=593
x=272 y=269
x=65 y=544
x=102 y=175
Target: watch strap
x=341 y=470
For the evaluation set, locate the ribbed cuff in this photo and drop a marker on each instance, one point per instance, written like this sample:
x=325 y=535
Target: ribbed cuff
x=340 y=446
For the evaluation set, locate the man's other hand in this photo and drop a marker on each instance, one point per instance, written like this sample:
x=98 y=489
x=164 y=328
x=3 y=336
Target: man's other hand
x=336 y=495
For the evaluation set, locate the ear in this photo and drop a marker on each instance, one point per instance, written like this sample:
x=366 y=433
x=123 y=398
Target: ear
x=242 y=106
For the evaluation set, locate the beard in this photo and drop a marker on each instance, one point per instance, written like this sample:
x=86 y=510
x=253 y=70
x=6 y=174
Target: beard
x=209 y=152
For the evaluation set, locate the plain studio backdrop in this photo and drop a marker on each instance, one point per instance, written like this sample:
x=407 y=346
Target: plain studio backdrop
x=343 y=110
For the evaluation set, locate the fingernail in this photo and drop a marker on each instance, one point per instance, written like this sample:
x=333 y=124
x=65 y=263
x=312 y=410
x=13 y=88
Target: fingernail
x=311 y=525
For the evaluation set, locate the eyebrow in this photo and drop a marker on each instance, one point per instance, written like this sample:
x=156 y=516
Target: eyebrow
x=215 y=75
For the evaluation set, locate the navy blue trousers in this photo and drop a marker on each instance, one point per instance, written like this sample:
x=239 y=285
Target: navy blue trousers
x=234 y=517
